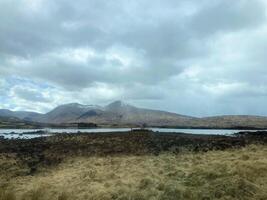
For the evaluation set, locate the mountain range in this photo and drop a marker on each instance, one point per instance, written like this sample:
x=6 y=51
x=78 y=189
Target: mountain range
x=122 y=114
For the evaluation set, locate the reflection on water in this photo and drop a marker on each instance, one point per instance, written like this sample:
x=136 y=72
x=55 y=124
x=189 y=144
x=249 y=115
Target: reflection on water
x=22 y=136
x=22 y=133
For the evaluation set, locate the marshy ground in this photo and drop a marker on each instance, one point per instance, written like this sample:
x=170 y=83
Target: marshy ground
x=134 y=165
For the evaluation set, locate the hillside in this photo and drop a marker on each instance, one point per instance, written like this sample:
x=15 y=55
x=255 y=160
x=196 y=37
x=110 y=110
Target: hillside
x=19 y=114
x=116 y=113
x=13 y=122
x=229 y=122
x=120 y=114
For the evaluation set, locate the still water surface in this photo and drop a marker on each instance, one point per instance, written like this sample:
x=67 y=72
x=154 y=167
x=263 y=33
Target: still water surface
x=22 y=133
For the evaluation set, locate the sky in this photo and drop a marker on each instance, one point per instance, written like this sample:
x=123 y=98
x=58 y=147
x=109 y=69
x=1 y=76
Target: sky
x=194 y=57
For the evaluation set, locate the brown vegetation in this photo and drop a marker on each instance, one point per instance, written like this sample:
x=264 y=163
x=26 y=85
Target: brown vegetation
x=80 y=167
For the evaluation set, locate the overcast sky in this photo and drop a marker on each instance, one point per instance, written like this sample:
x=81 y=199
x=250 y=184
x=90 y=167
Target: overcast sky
x=194 y=57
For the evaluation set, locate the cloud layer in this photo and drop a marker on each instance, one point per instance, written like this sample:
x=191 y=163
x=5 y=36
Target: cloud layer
x=196 y=57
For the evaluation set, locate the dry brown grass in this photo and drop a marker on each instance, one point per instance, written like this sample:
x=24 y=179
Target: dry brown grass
x=231 y=174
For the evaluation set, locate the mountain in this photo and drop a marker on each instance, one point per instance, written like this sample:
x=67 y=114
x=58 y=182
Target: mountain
x=234 y=121
x=19 y=114
x=6 y=113
x=66 y=113
x=119 y=113
x=13 y=122
x=116 y=113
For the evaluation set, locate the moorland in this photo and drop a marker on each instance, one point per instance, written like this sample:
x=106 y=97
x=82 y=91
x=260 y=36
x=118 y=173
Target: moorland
x=134 y=165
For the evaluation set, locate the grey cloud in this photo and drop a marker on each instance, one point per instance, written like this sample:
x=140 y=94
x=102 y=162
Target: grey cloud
x=46 y=33
x=142 y=51
x=222 y=16
x=29 y=94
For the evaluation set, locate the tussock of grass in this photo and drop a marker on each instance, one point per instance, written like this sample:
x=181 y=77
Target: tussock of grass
x=231 y=174
x=7 y=195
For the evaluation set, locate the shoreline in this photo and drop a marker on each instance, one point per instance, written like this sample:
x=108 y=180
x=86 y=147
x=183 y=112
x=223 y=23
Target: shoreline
x=123 y=164
x=163 y=127
x=52 y=149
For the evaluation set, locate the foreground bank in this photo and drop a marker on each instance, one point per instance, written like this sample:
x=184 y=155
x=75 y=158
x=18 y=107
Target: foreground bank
x=135 y=165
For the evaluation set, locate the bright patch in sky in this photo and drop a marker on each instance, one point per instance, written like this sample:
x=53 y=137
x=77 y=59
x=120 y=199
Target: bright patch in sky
x=194 y=57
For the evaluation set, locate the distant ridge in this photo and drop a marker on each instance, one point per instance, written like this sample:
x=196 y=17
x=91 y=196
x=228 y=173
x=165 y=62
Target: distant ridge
x=119 y=113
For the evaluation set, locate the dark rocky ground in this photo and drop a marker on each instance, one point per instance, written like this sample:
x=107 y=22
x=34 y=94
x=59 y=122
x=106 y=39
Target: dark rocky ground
x=48 y=151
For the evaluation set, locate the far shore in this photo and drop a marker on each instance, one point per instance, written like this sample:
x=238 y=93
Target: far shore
x=166 y=165
x=136 y=127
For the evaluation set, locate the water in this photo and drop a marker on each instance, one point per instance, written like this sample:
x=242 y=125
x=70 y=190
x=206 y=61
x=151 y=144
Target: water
x=200 y=131
x=22 y=133
x=24 y=136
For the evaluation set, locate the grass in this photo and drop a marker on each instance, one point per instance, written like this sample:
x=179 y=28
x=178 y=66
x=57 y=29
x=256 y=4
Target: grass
x=239 y=174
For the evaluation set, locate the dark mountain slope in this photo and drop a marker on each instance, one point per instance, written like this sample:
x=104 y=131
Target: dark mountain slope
x=119 y=113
